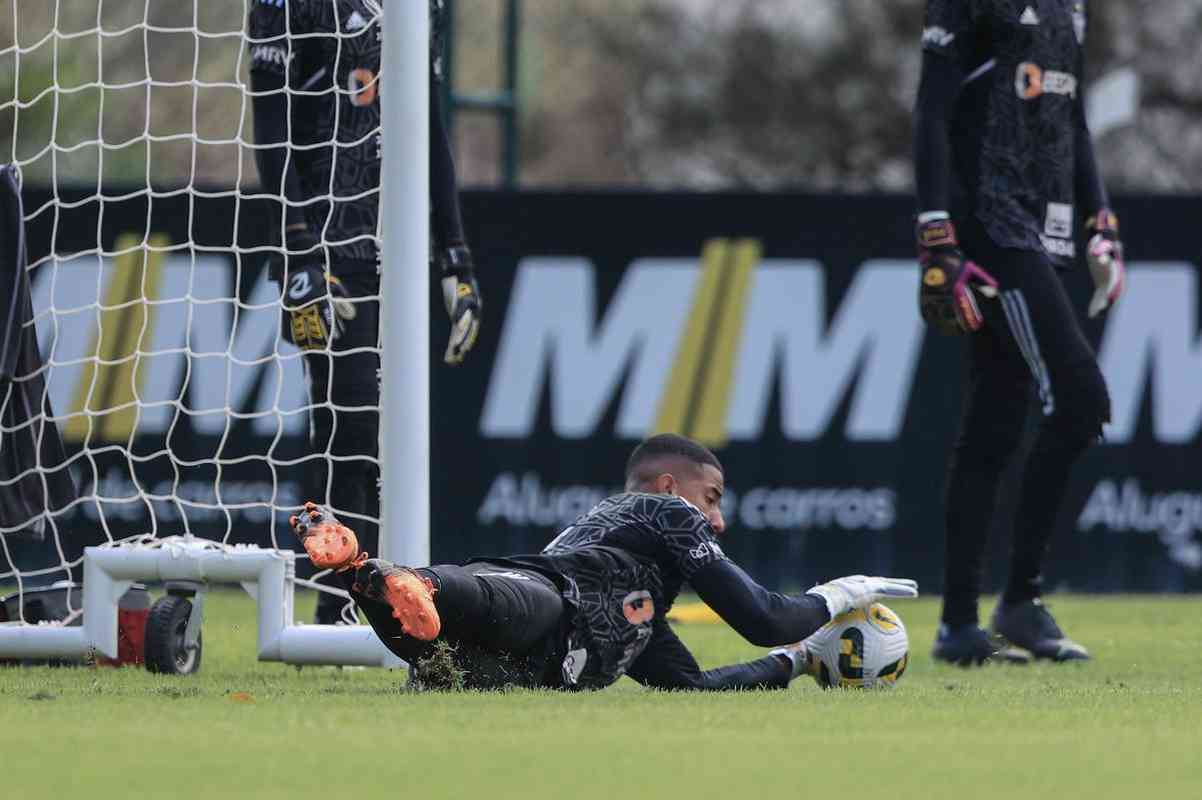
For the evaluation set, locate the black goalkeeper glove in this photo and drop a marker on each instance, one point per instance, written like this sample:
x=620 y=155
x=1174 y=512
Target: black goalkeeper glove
x=946 y=295
x=317 y=306
x=462 y=298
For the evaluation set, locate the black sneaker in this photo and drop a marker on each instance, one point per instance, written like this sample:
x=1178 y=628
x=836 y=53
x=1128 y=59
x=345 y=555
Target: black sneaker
x=964 y=645
x=1031 y=626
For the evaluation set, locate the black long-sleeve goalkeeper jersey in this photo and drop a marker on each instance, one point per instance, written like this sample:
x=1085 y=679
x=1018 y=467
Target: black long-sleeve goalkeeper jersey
x=626 y=561
x=315 y=67
x=1000 y=129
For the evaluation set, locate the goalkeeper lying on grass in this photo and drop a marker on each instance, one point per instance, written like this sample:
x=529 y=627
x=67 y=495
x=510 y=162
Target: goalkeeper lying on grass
x=592 y=605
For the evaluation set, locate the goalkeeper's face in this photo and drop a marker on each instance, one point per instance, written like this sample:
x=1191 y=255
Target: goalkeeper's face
x=702 y=485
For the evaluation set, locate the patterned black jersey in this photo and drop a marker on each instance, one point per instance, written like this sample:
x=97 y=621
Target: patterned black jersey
x=620 y=567
x=1013 y=131
x=328 y=53
x=661 y=531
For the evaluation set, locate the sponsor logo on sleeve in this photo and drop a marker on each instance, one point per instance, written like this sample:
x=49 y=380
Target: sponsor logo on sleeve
x=936 y=36
x=706 y=550
x=270 y=54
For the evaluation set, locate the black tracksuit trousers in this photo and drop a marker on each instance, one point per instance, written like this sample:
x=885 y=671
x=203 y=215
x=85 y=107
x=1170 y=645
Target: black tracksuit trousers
x=1032 y=346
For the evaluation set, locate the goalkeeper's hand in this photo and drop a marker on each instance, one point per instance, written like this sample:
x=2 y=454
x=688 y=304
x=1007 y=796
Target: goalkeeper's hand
x=801 y=661
x=1104 y=254
x=947 y=294
x=462 y=298
x=317 y=307
x=861 y=591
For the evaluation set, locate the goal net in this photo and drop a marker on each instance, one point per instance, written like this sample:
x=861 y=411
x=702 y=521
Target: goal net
x=182 y=409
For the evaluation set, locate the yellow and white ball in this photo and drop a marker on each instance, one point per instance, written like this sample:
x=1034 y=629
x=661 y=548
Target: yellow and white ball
x=861 y=649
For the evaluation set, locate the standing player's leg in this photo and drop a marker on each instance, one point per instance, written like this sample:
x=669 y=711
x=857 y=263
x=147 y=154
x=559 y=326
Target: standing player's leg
x=997 y=394
x=1076 y=405
x=345 y=391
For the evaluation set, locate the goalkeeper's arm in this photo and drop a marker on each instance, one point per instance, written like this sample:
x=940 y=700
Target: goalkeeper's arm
x=445 y=216
x=667 y=664
x=769 y=619
x=764 y=618
x=311 y=324
x=277 y=171
x=1104 y=249
x=451 y=254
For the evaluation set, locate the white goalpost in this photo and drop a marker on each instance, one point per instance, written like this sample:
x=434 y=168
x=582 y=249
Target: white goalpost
x=184 y=412
x=405 y=285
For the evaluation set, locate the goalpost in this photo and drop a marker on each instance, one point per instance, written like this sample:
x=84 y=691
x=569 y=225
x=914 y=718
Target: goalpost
x=183 y=412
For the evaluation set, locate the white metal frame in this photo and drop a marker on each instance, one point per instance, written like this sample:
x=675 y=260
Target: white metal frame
x=404 y=412
x=266 y=575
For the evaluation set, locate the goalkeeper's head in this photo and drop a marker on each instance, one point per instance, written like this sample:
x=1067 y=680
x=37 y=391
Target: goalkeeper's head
x=676 y=465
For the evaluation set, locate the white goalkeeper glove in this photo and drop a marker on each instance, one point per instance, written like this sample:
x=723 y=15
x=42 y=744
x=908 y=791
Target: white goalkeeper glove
x=1104 y=254
x=861 y=591
x=462 y=298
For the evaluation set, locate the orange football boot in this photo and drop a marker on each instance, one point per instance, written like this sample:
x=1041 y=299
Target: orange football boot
x=329 y=543
x=410 y=594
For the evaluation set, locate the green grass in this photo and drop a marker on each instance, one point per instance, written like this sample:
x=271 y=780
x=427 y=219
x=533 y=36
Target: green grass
x=1127 y=724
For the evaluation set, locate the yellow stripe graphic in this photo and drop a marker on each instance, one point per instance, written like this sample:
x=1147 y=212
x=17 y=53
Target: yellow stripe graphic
x=697 y=396
x=109 y=386
x=678 y=395
x=709 y=423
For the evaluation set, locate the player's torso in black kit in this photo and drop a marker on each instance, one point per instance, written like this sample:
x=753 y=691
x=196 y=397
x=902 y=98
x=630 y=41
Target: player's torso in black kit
x=1013 y=133
x=332 y=57
x=621 y=565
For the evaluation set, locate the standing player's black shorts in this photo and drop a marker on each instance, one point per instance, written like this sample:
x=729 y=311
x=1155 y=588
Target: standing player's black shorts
x=1032 y=340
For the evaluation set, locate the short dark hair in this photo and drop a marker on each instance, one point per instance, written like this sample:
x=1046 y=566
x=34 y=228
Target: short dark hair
x=669 y=445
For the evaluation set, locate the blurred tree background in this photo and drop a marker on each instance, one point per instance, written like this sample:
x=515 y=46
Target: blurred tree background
x=701 y=94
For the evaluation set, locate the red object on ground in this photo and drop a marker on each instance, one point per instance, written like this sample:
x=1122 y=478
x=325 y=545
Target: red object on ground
x=132 y=613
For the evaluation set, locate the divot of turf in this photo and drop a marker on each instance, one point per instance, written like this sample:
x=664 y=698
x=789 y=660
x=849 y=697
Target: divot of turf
x=439 y=672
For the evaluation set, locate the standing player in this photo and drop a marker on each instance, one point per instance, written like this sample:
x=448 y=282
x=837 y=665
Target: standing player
x=314 y=76
x=593 y=605
x=1005 y=167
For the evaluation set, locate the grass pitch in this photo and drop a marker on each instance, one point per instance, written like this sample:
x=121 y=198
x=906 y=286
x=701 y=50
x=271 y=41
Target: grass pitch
x=1127 y=724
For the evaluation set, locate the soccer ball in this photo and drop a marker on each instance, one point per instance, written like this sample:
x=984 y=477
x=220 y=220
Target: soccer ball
x=861 y=649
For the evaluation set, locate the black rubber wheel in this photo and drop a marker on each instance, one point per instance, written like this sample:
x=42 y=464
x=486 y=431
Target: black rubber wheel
x=165 y=627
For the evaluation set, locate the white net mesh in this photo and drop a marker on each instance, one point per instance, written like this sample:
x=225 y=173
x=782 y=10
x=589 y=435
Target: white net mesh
x=181 y=408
